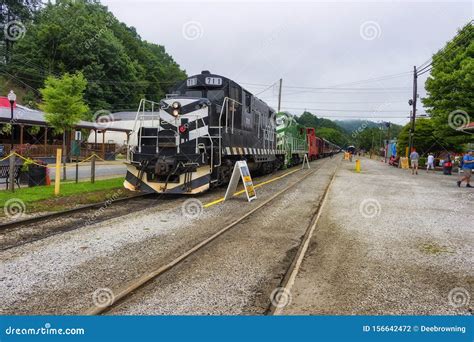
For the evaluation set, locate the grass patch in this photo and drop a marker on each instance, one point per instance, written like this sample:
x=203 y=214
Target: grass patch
x=434 y=249
x=41 y=193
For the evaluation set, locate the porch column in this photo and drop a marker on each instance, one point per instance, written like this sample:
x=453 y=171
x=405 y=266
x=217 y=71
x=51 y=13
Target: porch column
x=45 y=140
x=103 y=144
x=21 y=134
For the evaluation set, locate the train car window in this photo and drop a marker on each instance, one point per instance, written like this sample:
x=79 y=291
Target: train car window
x=193 y=93
x=248 y=102
x=216 y=96
x=234 y=106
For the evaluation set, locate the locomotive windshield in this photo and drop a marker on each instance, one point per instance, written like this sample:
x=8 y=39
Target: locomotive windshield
x=192 y=93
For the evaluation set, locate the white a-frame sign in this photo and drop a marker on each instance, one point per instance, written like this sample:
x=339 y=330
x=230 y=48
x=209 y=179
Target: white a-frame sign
x=241 y=170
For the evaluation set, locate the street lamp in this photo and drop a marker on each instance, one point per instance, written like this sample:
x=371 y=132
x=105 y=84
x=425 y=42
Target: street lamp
x=12 y=99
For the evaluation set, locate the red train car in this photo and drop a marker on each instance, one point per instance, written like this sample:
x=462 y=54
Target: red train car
x=315 y=144
x=318 y=147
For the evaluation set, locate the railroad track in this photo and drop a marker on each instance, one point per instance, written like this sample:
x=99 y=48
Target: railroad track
x=277 y=305
x=74 y=218
x=36 y=228
x=126 y=291
x=46 y=217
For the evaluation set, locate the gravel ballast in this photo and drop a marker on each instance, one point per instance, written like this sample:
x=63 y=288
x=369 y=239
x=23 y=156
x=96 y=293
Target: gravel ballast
x=60 y=274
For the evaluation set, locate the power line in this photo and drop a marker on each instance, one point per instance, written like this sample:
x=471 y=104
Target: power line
x=340 y=102
x=442 y=53
x=264 y=90
x=348 y=110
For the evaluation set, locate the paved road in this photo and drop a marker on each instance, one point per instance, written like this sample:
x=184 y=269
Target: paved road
x=389 y=243
x=102 y=171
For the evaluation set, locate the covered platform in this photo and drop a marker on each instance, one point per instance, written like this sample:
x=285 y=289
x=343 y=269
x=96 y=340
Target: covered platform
x=32 y=136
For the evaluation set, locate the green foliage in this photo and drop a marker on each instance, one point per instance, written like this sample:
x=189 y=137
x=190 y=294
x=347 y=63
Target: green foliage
x=6 y=129
x=450 y=88
x=325 y=128
x=39 y=193
x=333 y=135
x=20 y=11
x=29 y=100
x=33 y=130
x=424 y=140
x=63 y=101
x=370 y=138
x=83 y=35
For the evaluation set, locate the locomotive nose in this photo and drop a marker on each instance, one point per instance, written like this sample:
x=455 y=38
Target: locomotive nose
x=164 y=165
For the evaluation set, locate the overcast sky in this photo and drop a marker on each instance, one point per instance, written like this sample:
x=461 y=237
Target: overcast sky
x=310 y=44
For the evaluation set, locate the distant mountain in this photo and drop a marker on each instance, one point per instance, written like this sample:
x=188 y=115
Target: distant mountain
x=353 y=125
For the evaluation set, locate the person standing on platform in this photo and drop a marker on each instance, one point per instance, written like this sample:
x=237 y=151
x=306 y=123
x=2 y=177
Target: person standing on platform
x=430 y=162
x=414 y=158
x=468 y=165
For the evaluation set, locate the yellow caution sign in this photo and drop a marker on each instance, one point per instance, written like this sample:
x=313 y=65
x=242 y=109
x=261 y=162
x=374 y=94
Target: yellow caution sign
x=241 y=170
x=357 y=168
x=404 y=162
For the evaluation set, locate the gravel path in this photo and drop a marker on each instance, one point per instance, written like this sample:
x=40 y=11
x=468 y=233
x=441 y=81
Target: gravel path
x=60 y=274
x=237 y=272
x=389 y=243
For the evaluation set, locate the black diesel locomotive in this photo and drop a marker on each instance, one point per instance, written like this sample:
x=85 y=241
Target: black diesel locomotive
x=190 y=141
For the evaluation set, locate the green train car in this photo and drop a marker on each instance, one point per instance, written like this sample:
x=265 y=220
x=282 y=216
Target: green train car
x=291 y=137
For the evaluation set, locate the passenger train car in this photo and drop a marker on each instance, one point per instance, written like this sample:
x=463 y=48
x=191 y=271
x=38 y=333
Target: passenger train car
x=190 y=141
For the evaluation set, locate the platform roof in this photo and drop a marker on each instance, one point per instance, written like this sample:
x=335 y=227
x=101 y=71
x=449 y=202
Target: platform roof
x=27 y=116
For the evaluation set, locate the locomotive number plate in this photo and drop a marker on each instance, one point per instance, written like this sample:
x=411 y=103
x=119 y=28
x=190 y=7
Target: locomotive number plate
x=216 y=81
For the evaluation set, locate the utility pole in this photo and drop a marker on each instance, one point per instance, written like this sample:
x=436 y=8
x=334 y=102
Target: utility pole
x=413 y=114
x=279 y=95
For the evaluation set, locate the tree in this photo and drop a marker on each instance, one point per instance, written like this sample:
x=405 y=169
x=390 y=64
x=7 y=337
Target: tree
x=325 y=128
x=370 y=139
x=82 y=35
x=424 y=139
x=14 y=14
x=332 y=135
x=63 y=101
x=450 y=89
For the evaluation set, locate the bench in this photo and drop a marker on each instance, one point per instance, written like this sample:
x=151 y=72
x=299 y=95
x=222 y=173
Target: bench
x=5 y=174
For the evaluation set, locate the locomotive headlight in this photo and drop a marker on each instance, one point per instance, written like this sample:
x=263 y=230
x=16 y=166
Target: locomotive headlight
x=176 y=105
x=175 y=112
